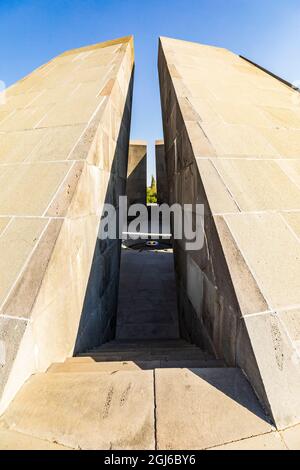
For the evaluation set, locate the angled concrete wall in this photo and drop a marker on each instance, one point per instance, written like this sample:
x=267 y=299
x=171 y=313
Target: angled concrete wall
x=161 y=173
x=137 y=172
x=63 y=153
x=232 y=142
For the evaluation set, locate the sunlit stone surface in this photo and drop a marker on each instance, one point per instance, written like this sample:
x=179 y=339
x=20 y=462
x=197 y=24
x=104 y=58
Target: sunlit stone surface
x=64 y=132
x=232 y=143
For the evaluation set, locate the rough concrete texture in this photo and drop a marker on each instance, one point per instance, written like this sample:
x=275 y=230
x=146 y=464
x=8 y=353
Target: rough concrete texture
x=232 y=143
x=291 y=437
x=87 y=411
x=161 y=173
x=137 y=172
x=183 y=424
x=63 y=153
x=121 y=408
x=11 y=440
x=139 y=393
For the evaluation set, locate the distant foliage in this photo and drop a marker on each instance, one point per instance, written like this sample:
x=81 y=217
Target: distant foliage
x=152 y=192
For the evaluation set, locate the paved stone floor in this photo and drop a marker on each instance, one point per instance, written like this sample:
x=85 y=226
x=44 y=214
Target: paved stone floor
x=147 y=389
x=164 y=409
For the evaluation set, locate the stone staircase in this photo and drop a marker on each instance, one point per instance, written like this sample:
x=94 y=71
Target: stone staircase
x=125 y=398
x=145 y=391
x=145 y=355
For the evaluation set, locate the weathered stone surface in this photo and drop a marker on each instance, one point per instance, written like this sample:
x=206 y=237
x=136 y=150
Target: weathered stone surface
x=4 y=221
x=258 y=185
x=11 y=440
x=220 y=199
x=231 y=133
x=20 y=302
x=293 y=220
x=161 y=173
x=278 y=363
x=274 y=261
x=16 y=245
x=87 y=411
x=64 y=133
x=291 y=437
x=271 y=441
x=193 y=408
x=137 y=172
x=90 y=365
x=247 y=291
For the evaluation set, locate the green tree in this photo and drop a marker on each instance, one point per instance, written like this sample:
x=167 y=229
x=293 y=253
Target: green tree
x=153 y=184
x=152 y=192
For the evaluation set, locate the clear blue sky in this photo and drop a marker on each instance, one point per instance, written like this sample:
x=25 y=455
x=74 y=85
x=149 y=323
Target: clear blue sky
x=33 y=31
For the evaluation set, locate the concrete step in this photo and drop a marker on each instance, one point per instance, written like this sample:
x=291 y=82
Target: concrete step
x=191 y=364
x=88 y=365
x=196 y=354
x=73 y=366
x=125 y=348
x=148 y=341
x=185 y=353
x=131 y=344
x=156 y=351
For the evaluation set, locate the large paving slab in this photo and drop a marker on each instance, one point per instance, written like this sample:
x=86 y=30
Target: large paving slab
x=64 y=134
x=202 y=408
x=110 y=411
x=232 y=143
